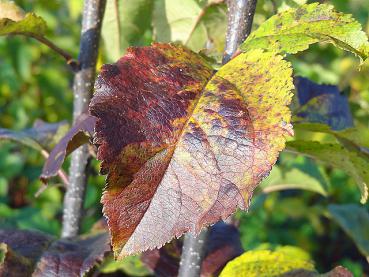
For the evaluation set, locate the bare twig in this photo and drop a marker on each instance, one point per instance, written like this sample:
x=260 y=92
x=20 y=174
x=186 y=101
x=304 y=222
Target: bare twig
x=240 y=17
x=93 y=12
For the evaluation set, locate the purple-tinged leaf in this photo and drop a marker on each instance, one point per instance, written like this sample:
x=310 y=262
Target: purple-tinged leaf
x=73 y=257
x=42 y=136
x=21 y=250
x=78 y=135
x=27 y=253
x=321 y=104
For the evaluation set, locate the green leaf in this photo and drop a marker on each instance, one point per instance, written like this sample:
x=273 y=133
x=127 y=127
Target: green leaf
x=353 y=163
x=266 y=263
x=354 y=220
x=130 y=265
x=196 y=24
x=358 y=135
x=295 y=29
x=292 y=179
x=14 y=21
x=125 y=23
x=283 y=5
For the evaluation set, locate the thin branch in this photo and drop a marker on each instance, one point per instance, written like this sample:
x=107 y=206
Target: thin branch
x=68 y=57
x=240 y=17
x=93 y=12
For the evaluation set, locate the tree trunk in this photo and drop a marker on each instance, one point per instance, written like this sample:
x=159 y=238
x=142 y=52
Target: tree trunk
x=93 y=12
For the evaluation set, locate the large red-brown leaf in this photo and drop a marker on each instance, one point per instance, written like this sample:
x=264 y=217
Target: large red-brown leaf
x=181 y=151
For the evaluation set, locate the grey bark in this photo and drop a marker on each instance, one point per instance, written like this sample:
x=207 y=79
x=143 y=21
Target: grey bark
x=93 y=12
x=240 y=17
x=193 y=251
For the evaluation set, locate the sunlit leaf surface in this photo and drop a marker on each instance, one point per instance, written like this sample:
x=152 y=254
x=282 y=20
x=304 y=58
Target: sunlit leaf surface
x=295 y=29
x=266 y=263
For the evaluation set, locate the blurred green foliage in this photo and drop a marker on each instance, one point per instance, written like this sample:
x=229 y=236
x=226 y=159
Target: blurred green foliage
x=35 y=83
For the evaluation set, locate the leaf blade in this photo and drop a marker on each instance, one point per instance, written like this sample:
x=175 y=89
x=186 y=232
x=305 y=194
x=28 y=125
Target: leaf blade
x=184 y=179
x=14 y=21
x=294 y=30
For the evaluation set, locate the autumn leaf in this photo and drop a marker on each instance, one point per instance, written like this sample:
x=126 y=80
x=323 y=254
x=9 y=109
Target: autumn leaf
x=13 y=20
x=295 y=29
x=181 y=149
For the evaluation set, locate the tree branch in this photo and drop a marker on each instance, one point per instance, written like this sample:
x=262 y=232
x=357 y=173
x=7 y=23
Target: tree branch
x=240 y=17
x=93 y=12
x=68 y=57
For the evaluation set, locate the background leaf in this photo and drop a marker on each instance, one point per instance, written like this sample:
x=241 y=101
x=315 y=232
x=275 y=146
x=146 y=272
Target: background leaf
x=42 y=136
x=353 y=163
x=33 y=253
x=354 y=220
x=292 y=179
x=75 y=137
x=21 y=251
x=321 y=104
x=196 y=24
x=126 y=23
